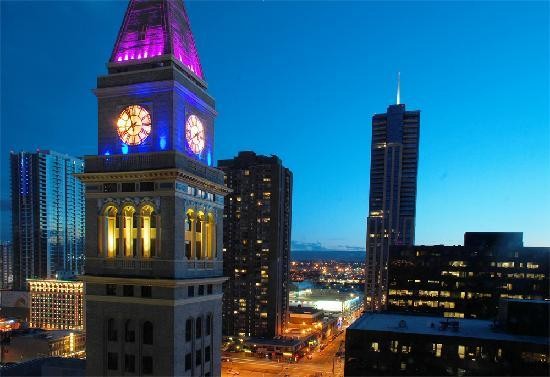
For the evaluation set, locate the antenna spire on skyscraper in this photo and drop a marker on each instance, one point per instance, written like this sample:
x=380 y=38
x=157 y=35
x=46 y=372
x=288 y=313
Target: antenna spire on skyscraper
x=398 y=87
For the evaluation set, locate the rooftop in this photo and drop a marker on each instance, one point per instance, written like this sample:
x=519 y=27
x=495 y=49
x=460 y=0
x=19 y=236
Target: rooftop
x=422 y=325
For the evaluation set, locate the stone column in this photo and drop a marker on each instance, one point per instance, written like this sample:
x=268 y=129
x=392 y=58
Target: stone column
x=193 y=240
x=101 y=239
x=157 y=236
x=120 y=235
x=139 y=252
x=204 y=245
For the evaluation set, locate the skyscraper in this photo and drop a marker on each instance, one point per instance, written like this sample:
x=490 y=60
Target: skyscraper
x=47 y=215
x=154 y=205
x=392 y=203
x=256 y=240
x=6 y=265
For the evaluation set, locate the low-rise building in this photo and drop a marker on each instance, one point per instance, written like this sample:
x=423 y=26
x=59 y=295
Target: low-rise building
x=467 y=281
x=327 y=300
x=401 y=344
x=56 y=304
x=31 y=344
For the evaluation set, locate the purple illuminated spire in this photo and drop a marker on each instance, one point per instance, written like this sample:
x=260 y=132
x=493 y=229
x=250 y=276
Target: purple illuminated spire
x=153 y=28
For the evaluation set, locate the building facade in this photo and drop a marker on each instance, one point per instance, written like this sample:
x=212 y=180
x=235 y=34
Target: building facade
x=48 y=217
x=6 y=265
x=154 y=205
x=256 y=237
x=392 y=203
x=32 y=344
x=467 y=281
x=56 y=304
x=393 y=344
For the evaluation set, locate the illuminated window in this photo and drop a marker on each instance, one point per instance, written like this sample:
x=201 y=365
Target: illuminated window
x=461 y=351
x=148 y=231
x=129 y=230
x=374 y=347
x=109 y=233
x=437 y=349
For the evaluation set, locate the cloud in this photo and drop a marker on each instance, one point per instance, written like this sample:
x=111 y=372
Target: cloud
x=318 y=246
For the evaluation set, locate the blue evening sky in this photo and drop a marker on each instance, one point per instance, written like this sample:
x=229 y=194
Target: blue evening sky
x=302 y=80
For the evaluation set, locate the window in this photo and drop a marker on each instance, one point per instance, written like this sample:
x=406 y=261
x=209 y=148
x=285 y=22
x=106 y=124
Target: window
x=112 y=361
x=437 y=349
x=208 y=324
x=110 y=289
x=129 y=363
x=110 y=187
x=207 y=354
x=198 y=328
x=147 y=365
x=188 y=249
x=188 y=361
x=198 y=357
x=209 y=289
x=147 y=333
x=146 y=291
x=111 y=330
x=147 y=186
x=188 y=329
x=128 y=187
x=128 y=290
x=129 y=332
x=201 y=290
x=461 y=351
x=191 y=291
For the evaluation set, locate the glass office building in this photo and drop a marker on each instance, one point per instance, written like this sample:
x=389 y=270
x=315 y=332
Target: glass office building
x=47 y=215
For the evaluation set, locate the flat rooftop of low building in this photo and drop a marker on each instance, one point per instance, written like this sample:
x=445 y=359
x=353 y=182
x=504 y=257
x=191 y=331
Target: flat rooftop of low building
x=273 y=342
x=47 y=334
x=422 y=325
x=304 y=310
x=325 y=295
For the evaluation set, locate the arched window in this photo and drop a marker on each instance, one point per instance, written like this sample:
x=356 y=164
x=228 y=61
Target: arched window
x=147 y=333
x=188 y=329
x=129 y=232
x=111 y=330
x=110 y=231
x=148 y=231
x=199 y=236
x=129 y=332
x=189 y=219
x=198 y=328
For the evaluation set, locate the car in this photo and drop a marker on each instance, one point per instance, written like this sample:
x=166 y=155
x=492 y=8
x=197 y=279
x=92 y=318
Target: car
x=226 y=359
x=309 y=356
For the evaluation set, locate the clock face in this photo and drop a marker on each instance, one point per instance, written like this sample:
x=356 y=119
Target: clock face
x=194 y=133
x=133 y=125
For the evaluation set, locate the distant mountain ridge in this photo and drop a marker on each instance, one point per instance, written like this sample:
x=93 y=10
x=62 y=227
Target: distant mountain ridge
x=326 y=255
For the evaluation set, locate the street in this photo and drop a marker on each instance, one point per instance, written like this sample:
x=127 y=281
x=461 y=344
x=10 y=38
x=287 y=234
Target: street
x=320 y=365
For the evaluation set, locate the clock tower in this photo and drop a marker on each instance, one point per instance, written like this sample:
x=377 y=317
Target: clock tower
x=154 y=205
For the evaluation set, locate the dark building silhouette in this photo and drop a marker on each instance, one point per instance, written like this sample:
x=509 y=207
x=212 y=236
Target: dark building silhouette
x=256 y=241
x=397 y=344
x=467 y=281
x=153 y=282
x=392 y=203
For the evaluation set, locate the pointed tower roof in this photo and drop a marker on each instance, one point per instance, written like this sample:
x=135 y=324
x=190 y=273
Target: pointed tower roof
x=153 y=28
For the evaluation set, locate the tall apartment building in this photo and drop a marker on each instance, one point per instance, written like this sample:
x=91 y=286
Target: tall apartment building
x=467 y=281
x=154 y=206
x=6 y=265
x=47 y=215
x=392 y=203
x=56 y=304
x=257 y=224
